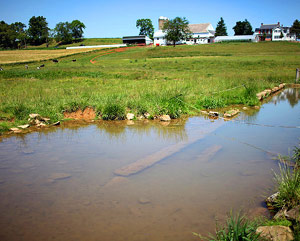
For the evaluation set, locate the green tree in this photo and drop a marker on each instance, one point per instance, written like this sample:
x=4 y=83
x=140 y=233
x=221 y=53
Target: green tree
x=146 y=27
x=63 y=32
x=77 y=29
x=21 y=33
x=221 y=29
x=8 y=36
x=243 y=28
x=176 y=29
x=38 y=30
x=296 y=28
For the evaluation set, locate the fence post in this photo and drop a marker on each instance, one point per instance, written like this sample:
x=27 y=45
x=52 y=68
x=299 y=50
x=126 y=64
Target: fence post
x=297 y=75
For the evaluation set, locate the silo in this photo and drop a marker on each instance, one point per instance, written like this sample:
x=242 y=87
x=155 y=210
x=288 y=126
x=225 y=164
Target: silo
x=161 y=22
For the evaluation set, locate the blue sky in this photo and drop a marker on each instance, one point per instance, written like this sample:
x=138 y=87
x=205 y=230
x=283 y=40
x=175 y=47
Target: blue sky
x=118 y=18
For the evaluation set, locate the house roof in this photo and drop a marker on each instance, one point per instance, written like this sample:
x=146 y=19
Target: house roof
x=269 y=26
x=236 y=37
x=199 y=28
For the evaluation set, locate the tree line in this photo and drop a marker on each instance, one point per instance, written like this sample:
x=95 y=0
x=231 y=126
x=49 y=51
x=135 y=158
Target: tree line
x=16 y=35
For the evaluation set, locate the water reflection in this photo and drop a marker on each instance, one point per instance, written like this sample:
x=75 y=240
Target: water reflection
x=291 y=95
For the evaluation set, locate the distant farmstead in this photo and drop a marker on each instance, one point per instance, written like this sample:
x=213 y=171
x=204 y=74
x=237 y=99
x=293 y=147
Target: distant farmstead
x=274 y=32
x=140 y=39
x=202 y=33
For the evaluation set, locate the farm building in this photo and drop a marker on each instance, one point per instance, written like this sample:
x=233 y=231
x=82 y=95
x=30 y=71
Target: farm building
x=238 y=38
x=141 y=39
x=201 y=33
x=274 y=32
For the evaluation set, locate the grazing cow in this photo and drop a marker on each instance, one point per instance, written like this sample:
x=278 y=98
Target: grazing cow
x=74 y=60
x=41 y=66
x=1 y=69
x=26 y=66
x=55 y=60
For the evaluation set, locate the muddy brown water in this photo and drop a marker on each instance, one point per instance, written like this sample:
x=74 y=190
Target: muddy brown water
x=61 y=184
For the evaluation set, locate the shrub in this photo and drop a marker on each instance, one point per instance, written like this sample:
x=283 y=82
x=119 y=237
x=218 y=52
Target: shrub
x=113 y=111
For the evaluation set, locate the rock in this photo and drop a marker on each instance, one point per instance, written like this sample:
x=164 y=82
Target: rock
x=147 y=115
x=259 y=96
x=231 y=113
x=130 y=116
x=281 y=86
x=41 y=124
x=24 y=126
x=275 y=233
x=271 y=200
x=245 y=108
x=280 y=214
x=275 y=89
x=35 y=116
x=165 y=118
x=294 y=214
x=268 y=91
x=256 y=107
x=213 y=114
x=45 y=119
x=56 y=123
x=15 y=130
x=59 y=176
x=140 y=117
x=144 y=201
x=204 y=112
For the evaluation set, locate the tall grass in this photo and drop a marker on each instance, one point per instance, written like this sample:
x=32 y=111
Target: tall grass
x=237 y=228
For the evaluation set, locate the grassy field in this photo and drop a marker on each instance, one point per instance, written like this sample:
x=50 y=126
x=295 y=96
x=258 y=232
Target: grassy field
x=24 y=56
x=158 y=80
x=86 y=42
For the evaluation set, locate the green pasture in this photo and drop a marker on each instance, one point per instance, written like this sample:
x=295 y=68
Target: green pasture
x=157 y=80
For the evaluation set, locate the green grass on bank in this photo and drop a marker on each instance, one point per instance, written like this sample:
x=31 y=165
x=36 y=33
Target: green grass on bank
x=158 y=80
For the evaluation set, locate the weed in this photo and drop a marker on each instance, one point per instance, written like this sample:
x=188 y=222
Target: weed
x=288 y=186
x=113 y=112
x=237 y=228
x=210 y=103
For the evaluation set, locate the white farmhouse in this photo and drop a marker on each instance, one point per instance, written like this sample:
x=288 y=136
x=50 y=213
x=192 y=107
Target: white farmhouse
x=274 y=32
x=202 y=33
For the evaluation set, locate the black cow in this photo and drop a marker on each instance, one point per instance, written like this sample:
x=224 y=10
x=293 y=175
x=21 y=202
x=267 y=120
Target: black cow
x=74 y=60
x=55 y=60
x=41 y=66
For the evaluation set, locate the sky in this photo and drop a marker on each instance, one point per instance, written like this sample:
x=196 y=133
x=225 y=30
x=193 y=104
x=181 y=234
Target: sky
x=111 y=18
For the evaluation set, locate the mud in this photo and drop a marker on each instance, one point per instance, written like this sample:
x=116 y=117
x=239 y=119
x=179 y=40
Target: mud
x=87 y=114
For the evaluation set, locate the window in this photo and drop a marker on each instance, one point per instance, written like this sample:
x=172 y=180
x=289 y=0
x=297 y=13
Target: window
x=157 y=38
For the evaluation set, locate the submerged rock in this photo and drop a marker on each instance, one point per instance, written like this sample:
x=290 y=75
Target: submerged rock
x=59 y=176
x=272 y=200
x=35 y=116
x=213 y=114
x=144 y=201
x=15 y=130
x=231 y=113
x=275 y=233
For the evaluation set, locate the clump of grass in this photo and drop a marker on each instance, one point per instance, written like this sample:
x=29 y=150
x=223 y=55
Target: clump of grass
x=210 y=102
x=113 y=111
x=237 y=228
x=288 y=181
x=274 y=222
x=174 y=106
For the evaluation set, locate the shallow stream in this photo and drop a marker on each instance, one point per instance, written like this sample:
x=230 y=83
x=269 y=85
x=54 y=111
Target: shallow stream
x=61 y=183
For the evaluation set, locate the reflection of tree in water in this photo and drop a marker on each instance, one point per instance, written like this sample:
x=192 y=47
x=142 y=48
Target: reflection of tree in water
x=290 y=94
x=174 y=130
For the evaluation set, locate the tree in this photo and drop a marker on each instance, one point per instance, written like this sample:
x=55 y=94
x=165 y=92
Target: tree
x=221 y=29
x=38 y=30
x=243 y=28
x=146 y=27
x=21 y=33
x=176 y=29
x=296 y=28
x=63 y=32
x=8 y=36
x=77 y=29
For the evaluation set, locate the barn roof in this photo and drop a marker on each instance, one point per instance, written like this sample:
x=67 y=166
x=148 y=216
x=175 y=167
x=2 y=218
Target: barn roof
x=199 y=28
